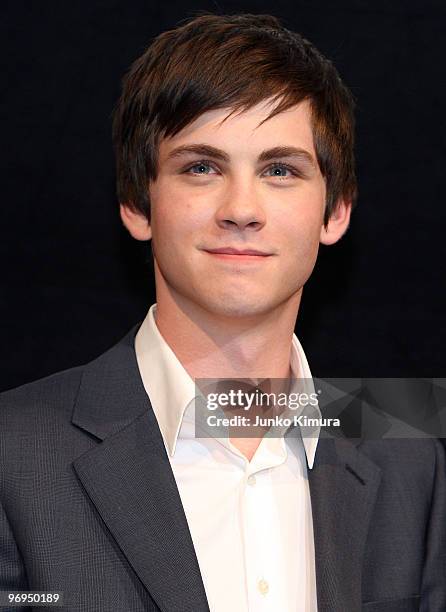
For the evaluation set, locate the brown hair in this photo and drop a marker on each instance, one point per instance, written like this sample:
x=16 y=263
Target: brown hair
x=229 y=61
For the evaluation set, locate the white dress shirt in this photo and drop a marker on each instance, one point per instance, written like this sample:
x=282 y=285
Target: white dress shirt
x=250 y=521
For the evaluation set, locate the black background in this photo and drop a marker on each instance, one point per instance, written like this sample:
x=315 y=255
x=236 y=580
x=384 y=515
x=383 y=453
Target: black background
x=73 y=282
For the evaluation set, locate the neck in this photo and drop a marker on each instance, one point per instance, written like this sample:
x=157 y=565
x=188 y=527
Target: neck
x=209 y=345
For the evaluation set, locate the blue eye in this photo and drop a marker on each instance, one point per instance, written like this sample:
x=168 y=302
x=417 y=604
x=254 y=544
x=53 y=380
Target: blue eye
x=200 y=168
x=278 y=170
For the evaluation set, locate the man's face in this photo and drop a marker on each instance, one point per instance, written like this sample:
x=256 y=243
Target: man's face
x=237 y=211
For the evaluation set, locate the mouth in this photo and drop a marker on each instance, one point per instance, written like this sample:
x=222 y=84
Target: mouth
x=231 y=253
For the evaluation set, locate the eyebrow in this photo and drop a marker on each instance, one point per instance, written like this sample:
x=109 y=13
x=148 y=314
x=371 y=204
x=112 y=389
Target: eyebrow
x=266 y=155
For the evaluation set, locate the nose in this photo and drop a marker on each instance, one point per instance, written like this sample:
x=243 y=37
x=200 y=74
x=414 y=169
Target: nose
x=241 y=208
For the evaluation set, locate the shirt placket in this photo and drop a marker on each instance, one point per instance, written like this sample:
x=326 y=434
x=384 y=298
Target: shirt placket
x=265 y=575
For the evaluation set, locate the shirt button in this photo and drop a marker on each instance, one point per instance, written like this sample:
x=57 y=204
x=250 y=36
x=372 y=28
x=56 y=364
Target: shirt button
x=263 y=586
x=252 y=480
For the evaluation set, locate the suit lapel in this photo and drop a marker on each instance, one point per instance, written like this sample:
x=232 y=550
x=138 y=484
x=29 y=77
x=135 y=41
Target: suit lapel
x=343 y=487
x=129 y=480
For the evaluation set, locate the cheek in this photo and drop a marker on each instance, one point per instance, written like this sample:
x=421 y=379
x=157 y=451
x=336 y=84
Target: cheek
x=303 y=248
x=303 y=221
x=170 y=212
x=177 y=222
x=300 y=242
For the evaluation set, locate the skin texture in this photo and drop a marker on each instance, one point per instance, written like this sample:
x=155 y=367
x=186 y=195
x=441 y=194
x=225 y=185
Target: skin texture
x=234 y=315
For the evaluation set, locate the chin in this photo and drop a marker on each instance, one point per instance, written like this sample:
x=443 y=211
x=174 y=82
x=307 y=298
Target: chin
x=237 y=308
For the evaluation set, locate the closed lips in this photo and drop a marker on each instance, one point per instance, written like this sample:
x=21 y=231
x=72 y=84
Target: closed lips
x=232 y=251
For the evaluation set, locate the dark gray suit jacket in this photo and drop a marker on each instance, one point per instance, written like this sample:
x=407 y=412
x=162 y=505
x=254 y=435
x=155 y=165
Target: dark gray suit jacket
x=89 y=505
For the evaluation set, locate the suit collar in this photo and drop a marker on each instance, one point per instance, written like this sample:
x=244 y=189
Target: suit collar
x=111 y=394
x=343 y=483
x=129 y=480
x=343 y=486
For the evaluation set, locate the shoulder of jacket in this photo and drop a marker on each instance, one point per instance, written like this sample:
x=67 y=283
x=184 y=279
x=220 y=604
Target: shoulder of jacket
x=21 y=405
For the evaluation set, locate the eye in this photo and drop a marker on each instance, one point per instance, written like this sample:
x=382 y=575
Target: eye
x=280 y=171
x=202 y=167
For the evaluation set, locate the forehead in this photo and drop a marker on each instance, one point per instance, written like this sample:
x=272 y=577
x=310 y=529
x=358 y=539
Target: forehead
x=243 y=131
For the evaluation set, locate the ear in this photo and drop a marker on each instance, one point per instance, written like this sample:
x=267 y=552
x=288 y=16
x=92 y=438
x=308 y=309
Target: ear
x=337 y=224
x=137 y=224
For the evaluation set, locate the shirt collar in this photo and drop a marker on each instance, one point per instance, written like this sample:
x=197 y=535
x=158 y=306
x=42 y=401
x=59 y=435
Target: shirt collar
x=171 y=389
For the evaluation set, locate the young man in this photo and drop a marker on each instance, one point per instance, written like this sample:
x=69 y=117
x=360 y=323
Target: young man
x=234 y=141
